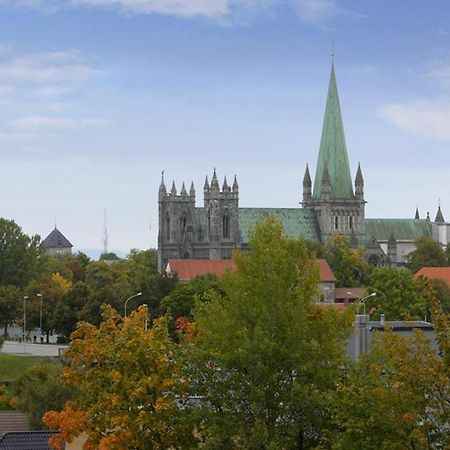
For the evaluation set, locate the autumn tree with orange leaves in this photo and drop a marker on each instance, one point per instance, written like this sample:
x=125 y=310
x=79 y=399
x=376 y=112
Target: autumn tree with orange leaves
x=130 y=384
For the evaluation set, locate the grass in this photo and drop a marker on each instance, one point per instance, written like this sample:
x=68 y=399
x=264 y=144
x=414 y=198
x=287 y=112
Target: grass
x=12 y=366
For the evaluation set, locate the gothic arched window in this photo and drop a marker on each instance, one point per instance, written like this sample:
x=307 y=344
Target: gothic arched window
x=350 y=222
x=336 y=222
x=183 y=222
x=168 y=227
x=226 y=226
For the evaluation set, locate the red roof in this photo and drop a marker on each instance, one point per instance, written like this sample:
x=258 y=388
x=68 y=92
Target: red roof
x=349 y=293
x=326 y=274
x=186 y=269
x=442 y=273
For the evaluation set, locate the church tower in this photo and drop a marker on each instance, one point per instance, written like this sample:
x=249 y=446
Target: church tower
x=176 y=223
x=221 y=209
x=339 y=209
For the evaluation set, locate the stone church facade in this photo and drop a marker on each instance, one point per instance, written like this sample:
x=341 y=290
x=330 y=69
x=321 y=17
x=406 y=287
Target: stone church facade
x=330 y=205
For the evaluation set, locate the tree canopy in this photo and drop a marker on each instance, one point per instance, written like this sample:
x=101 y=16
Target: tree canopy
x=428 y=253
x=129 y=380
x=20 y=255
x=266 y=354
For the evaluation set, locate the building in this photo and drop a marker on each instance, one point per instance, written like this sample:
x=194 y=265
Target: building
x=331 y=204
x=435 y=273
x=57 y=244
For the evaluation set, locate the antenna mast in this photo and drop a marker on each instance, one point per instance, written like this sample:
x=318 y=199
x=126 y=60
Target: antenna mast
x=105 y=234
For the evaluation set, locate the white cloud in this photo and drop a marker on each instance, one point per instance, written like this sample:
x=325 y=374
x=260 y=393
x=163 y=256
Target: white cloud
x=317 y=10
x=425 y=118
x=312 y=11
x=47 y=68
x=187 y=8
x=57 y=123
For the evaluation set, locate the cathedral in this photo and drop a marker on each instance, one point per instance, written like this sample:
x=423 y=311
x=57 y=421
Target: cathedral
x=331 y=204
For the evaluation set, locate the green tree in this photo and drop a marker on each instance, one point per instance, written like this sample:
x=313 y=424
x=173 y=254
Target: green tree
x=396 y=398
x=129 y=379
x=47 y=290
x=68 y=310
x=399 y=295
x=39 y=390
x=266 y=356
x=348 y=265
x=428 y=253
x=9 y=306
x=21 y=256
x=140 y=269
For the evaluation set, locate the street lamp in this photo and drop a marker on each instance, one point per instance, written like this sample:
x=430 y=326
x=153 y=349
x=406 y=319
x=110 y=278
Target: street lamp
x=362 y=302
x=24 y=317
x=128 y=299
x=40 y=315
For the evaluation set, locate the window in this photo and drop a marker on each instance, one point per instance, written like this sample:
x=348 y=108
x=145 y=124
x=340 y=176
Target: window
x=336 y=222
x=183 y=222
x=168 y=227
x=226 y=226
x=350 y=222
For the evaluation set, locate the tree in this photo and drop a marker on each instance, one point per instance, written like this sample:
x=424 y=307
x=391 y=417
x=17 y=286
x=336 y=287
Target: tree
x=39 y=390
x=21 y=256
x=180 y=302
x=396 y=398
x=129 y=380
x=264 y=355
x=428 y=253
x=9 y=306
x=51 y=288
x=399 y=295
x=348 y=265
x=68 y=309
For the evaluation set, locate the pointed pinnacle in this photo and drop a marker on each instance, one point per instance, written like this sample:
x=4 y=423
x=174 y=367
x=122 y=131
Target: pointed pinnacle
x=183 y=190
x=417 y=216
x=173 y=191
x=359 y=177
x=235 y=184
x=192 y=190
x=206 y=185
x=307 y=177
x=439 y=216
x=225 y=184
x=214 y=181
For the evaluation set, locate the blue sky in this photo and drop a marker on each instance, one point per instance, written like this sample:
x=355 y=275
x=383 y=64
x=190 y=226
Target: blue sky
x=97 y=97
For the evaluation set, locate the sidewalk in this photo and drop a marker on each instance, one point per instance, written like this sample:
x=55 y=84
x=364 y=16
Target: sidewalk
x=28 y=349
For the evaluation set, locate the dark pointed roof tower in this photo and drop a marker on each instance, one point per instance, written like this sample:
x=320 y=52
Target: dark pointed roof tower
x=439 y=216
x=56 y=240
x=333 y=150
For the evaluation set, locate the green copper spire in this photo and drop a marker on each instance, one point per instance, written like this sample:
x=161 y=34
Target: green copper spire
x=333 y=151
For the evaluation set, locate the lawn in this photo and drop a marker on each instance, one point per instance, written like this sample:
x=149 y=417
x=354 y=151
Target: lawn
x=12 y=366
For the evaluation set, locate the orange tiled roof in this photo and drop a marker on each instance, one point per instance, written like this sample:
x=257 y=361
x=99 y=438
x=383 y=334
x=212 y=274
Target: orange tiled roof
x=186 y=269
x=442 y=273
x=349 y=293
x=326 y=274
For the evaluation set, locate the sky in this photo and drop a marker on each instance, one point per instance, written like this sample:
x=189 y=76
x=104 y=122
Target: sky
x=98 y=97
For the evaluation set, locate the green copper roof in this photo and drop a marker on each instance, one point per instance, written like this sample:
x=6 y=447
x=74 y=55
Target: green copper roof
x=297 y=222
x=333 y=151
x=401 y=229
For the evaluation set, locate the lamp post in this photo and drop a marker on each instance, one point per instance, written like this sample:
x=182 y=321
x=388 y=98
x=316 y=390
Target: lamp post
x=24 y=320
x=362 y=302
x=128 y=299
x=40 y=314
